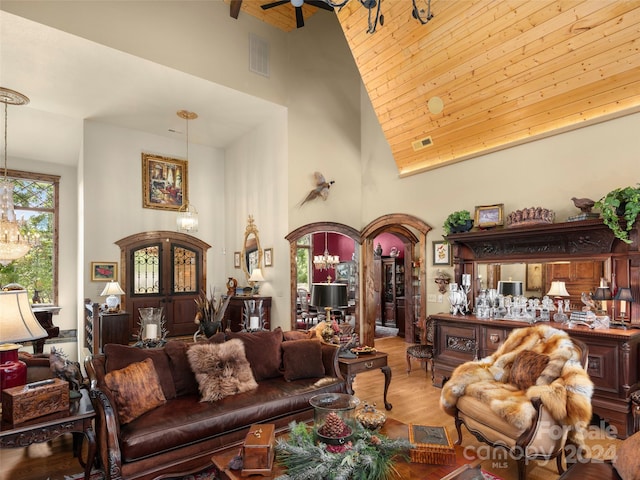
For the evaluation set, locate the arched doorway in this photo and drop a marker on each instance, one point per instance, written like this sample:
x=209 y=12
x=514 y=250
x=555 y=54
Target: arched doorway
x=316 y=228
x=402 y=226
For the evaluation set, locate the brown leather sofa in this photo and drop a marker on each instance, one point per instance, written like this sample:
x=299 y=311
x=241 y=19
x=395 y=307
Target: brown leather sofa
x=179 y=437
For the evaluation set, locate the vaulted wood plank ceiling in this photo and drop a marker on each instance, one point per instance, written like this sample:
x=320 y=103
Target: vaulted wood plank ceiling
x=507 y=72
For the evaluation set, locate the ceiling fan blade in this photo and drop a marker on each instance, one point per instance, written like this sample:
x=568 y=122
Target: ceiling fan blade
x=299 y=17
x=267 y=6
x=319 y=4
x=234 y=8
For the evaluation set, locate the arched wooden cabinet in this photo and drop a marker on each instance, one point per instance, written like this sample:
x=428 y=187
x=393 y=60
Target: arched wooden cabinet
x=163 y=269
x=565 y=251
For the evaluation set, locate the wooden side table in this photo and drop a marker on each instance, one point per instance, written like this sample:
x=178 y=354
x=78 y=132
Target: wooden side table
x=350 y=367
x=78 y=420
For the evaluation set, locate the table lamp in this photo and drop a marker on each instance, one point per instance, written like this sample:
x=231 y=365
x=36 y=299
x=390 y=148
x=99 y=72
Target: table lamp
x=112 y=289
x=255 y=279
x=510 y=287
x=17 y=324
x=602 y=294
x=559 y=290
x=329 y=296
x=623 y=295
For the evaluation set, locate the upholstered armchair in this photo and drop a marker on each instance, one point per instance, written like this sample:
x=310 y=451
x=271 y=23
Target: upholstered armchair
x=531 y=397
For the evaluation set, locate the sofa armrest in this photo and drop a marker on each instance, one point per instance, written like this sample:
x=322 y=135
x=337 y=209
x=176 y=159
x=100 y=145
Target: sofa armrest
x=330 y=360
x=107 y=432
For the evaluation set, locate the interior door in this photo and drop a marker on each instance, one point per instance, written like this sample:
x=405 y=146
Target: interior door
x=164 y=270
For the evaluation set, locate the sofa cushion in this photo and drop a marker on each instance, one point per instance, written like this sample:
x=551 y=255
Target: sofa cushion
x=183 y=377
x=627 y=460
x=298 y=335
x=221 y=369
x=526 y=368
x=119 y=356
x=135 y=389
x=263 y=352
x=302 y=359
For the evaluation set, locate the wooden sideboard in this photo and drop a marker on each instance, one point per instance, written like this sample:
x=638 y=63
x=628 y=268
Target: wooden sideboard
x=613 y=365
x=234 y=315
x=101 y=328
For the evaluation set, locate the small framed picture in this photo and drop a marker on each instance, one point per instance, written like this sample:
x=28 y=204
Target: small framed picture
x=441 y=253
x=489 y=216
x=268 y=257
x=236 y=259
x=534 y=276
x=104 y=271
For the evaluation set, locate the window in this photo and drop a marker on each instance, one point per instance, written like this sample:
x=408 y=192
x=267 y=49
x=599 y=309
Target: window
x=303 y=262
x=35 y=198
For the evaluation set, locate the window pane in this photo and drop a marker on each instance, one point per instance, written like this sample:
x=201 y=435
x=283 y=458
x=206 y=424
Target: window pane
x=185 y=279
x=146 y=270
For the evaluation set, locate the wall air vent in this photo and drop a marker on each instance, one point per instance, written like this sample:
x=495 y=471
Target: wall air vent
x=258 y=55
x=422 y=143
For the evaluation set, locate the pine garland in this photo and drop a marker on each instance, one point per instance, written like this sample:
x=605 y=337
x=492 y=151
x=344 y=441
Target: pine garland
x=368 y=457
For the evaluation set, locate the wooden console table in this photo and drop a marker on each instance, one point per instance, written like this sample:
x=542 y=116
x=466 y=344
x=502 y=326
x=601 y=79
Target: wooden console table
x=352 y=366
x=613 y=364
x=78 y=420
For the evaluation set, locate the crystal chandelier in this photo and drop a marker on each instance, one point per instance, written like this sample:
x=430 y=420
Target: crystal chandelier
x=325 y=261
x=13 y=244
x=187 y=220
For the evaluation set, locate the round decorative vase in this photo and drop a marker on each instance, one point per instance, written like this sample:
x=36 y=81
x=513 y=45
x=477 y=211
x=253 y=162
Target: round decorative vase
x=369 y=417
x=13 y=371
x=334 y=417
x=465 y=227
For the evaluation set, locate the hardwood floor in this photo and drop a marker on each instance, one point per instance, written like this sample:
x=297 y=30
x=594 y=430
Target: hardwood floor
x=413 y=397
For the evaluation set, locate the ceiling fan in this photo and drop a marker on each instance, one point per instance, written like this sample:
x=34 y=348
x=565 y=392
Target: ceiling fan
x=298 y=5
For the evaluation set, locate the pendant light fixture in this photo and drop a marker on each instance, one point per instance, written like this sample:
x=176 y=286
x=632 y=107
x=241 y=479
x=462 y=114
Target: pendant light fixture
x=325 y=261
x=13 y=244
x=187 y=214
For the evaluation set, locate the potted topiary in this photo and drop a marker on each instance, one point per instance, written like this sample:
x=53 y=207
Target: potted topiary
x=620 y=204
x=458 y=222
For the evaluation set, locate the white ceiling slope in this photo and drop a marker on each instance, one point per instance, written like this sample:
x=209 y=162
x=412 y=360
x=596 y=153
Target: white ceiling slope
x=69 y=79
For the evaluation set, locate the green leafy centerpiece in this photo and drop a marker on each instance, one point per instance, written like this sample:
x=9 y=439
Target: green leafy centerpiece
x=367 y=456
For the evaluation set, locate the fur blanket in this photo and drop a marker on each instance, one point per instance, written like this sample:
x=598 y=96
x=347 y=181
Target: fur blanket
x=563 y=386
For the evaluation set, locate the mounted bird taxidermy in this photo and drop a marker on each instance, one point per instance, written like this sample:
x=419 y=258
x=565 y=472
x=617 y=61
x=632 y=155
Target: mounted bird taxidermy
x=321 y=190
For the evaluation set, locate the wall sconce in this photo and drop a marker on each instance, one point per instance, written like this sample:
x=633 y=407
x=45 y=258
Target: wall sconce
x=113 y=302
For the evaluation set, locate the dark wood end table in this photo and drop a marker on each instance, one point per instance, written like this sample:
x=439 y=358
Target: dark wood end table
x=350 y=367
x=78 y=420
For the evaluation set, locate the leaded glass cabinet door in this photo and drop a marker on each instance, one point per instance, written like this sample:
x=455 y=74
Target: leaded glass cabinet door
x=164 y=269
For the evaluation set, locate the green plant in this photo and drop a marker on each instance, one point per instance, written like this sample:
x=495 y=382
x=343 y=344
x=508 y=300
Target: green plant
x=620 y=203
x=456 y=219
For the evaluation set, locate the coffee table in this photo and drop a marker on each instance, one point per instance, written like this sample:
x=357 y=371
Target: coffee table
x=392 y=429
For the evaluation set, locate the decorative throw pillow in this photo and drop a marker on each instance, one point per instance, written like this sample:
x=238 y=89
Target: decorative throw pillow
x=526 y=368
x=135 y=389
x=302 y=359
x=221 y=369
x=627 y=460
x=119 y=356
x=298 y=335
x=183 y=378
x=263 y=352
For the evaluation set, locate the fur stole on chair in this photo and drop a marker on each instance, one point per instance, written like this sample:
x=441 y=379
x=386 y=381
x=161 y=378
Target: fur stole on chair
x=564 y=386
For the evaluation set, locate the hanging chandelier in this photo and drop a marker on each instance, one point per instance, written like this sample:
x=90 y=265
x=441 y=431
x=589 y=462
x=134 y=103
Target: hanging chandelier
x=325 y=261
x=13 y=244
x=187 y=220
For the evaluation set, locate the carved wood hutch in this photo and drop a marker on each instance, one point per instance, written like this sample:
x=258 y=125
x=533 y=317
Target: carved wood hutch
x=614 y=354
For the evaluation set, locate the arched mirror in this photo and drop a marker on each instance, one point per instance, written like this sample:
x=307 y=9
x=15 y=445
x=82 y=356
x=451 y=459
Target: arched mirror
x=251 y=251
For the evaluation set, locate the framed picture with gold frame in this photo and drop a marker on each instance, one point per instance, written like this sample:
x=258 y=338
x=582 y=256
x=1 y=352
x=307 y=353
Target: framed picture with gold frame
x=104 y=271
x=164 y=182
x=488 y=216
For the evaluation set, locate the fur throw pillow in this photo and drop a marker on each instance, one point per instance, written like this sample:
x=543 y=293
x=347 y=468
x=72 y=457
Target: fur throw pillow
x=564 y=387
x=221 y=369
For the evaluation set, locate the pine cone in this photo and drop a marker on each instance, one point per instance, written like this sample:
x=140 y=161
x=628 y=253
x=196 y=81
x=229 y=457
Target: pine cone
x=333 y=426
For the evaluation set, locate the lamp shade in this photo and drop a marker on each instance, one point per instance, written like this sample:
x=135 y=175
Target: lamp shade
x=332 y=295
x=112 y=288
x=558 y=289
x=17 y=321
x=256 y=275
x=624 y=294
x=513 y=288
x=602 y=293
